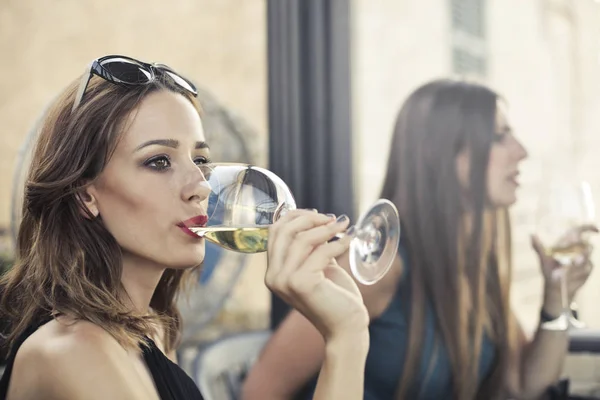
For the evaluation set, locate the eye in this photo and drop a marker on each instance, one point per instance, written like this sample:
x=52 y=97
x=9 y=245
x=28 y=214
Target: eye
x=501 y=136
x=158 y=163
x=202 y=160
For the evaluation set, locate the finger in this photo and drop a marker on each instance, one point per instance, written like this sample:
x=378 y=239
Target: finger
x=308 y=241
x=580 y=272
x=280 y=241
x=578 y=260
x=312 y=271
x=538 y=247
x=574 y=285
x=577 y=234
x=325 y=232
x=321 y=256
x=586 y=228
x=289 y=216
x=583 y=256
x=578 y=231
x=295 y=223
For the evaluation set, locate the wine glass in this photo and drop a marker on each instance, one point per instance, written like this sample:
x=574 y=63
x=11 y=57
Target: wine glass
x=563 y=208
x=246 y=199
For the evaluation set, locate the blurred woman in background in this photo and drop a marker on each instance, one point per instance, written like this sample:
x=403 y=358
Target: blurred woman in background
x=441 y=323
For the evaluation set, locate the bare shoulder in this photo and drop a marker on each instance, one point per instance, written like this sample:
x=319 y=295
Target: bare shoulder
x=70 y=360
x=377 y=296
x=68 y=340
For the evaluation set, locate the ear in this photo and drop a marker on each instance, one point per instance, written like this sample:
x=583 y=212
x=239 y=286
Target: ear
x=89 y=202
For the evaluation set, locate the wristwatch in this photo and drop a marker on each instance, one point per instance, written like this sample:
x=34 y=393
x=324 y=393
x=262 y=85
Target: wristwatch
x=545 y=317
x=551 y=323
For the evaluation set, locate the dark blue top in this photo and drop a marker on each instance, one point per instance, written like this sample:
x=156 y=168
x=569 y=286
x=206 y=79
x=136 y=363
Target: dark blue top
x=388 y=342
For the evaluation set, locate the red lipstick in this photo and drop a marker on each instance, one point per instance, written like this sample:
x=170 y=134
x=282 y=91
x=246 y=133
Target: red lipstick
x=197 y=221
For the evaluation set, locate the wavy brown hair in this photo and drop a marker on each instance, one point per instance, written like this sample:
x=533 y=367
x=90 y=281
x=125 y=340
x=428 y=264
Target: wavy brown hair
x=67 y=261
x=459 y=247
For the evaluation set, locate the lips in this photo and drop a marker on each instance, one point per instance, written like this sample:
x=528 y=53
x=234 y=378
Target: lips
x=197 y=221
x=513 y=178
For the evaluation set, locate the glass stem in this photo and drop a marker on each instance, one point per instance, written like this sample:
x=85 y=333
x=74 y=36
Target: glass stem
x=564 y=294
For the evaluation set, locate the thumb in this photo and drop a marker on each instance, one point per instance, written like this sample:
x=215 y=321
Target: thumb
x=537 y=246
x=548 y=264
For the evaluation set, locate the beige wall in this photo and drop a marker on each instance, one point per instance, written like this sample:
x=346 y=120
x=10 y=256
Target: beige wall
x=548 y=70
x=397 y=45
x=220 y=44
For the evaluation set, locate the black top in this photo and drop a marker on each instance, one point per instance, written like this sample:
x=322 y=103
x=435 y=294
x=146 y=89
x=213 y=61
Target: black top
x=171 y=381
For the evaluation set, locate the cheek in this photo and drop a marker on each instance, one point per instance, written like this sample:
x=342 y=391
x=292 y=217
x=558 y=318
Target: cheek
x=143 y=223
x=130 y=212
x=500 y=191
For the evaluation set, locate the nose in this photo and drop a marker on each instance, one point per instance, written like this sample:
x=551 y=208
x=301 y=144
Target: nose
x=196 y=188
x=520 y=151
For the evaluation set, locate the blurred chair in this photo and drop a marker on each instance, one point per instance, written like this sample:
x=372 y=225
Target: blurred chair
x=584 y=341
x=221 y=368
x=582 y=365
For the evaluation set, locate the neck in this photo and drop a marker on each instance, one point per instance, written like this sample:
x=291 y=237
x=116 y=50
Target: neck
x=140 y=278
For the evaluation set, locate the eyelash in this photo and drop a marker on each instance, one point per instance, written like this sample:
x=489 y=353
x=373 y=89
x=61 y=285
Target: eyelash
x=149 y=163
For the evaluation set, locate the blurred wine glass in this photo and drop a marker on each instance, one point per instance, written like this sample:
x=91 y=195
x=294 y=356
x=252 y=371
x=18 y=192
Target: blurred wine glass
x=564 y=207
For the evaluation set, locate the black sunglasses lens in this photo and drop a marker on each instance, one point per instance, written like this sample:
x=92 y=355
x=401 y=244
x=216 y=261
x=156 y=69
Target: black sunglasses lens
x=127 y=71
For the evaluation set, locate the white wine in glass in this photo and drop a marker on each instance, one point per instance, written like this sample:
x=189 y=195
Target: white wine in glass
x=243 y=239
x=245 y=200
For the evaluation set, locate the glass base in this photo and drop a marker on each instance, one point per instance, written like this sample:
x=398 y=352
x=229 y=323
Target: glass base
x=374 y=248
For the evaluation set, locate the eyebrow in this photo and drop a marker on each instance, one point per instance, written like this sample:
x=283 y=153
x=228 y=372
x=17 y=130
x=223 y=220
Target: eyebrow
x=169 y=143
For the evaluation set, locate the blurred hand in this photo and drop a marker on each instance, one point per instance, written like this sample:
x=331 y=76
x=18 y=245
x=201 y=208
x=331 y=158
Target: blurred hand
x=577 y=273
x=302 y=270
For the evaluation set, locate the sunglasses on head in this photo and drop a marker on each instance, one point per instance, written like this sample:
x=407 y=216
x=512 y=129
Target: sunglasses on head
x=126 y=71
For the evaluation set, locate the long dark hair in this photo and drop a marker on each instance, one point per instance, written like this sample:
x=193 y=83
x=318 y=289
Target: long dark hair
x=67 y=263
x=458 y=246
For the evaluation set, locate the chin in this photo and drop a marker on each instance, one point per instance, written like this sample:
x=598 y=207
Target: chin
x=187 y=264
x=187 y=260
x=505 y=201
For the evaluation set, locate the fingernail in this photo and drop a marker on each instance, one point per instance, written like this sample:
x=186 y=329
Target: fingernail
x=350 y=231
x=342 y=218
x=330 y=215
x=313 y=209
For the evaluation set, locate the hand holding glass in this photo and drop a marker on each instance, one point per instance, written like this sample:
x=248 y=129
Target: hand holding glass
x=563 y=210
